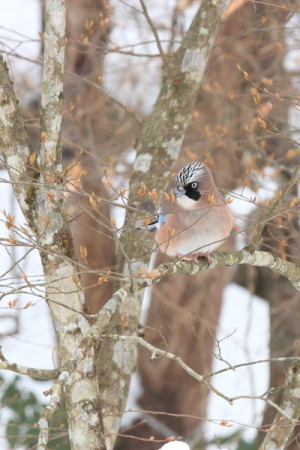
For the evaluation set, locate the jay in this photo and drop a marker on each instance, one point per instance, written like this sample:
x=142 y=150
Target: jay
x=197 y=221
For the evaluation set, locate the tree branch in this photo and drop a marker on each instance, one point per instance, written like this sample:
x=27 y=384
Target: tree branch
x=257 y=258
x=288 y=416
x=46 y=417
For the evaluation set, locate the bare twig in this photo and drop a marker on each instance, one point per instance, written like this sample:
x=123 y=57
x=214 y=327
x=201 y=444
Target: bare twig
x=46 y=417
x=110 y=97
x=42 y=374
x=153 y=29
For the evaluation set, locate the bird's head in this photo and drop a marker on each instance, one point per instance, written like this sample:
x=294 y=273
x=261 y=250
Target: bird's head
x=188 y=183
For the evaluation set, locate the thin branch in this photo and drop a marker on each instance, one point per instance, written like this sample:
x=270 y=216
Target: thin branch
x=42 y=374
x=153 y=29
x=251 y=363
x=46 y=417
x=110 y=97
x=158 y=352
x=292 y=182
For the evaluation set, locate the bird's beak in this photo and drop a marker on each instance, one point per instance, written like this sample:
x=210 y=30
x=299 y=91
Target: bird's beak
x=178 y=192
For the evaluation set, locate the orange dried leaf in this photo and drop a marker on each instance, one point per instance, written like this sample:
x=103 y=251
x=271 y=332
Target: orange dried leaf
x=89 y=24
x=278 y=194
x=113 y=222
x=153 y=194
x=122 y=192
x=256 y=97
x=50 y=178
x=82 y=174
x=102 y=280
x=12 y=303
x=229 y=200
x=261 y=122
x=142 y=191
x=44 y=137
x=225 y=423
x=294 y=202
x=191 y=155
x=262 y=143
x=10 y=220
x=12 y=240
x=217 y=86
x=246 y=75
x=32 y=159
x=46 y=221
x=152 y=274
x=94 y=202
x=25 y=231
x=24 y=276
x=267 y=81
x=27 y=305
x=83 y=251
x=51 y=196
x=195 y=114
x=206 y=131
x=146 y=221
x=172 y=196
x=291 y=153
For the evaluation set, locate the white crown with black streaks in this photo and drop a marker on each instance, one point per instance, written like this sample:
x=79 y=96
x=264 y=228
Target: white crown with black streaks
x=187 y=174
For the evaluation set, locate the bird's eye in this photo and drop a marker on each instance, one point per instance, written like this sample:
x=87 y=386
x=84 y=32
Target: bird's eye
x=194 y=185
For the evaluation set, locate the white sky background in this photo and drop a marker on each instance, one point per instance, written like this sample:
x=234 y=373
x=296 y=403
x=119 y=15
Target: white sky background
x=246 y=316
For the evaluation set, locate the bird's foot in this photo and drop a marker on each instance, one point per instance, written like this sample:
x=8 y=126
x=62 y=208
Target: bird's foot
x=195 y=257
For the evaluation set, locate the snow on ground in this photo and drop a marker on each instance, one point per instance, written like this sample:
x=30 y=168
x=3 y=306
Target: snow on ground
x=175 y=445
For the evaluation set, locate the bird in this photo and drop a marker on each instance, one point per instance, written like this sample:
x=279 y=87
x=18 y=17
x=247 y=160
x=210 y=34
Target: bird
x=196 y=220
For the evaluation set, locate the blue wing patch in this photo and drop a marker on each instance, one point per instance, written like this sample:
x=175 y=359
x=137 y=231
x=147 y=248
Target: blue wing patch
x=154 y=226
x=161 y=217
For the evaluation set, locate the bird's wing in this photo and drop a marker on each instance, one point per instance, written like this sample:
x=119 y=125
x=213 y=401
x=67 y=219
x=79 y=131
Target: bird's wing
x=153 y=227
